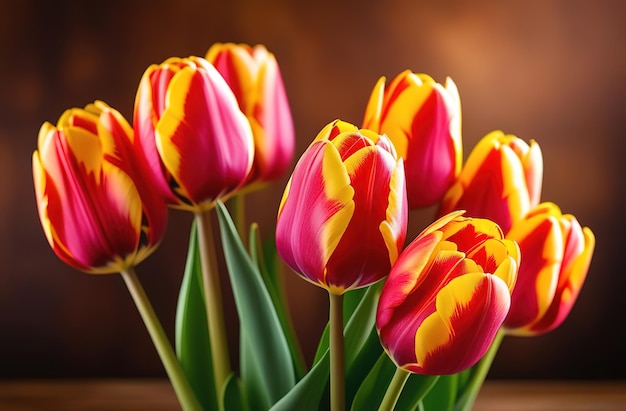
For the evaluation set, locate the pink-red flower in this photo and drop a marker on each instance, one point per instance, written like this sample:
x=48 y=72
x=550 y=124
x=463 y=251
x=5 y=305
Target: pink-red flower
x=254 y=76
x=342 y=219
x=556 y=253
x=198 y=142
x=447 y=295
x=501 y=180
x=97 y=207
x=423 y=120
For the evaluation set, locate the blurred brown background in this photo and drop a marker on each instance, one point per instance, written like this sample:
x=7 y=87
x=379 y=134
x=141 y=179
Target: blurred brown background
x=552 y=71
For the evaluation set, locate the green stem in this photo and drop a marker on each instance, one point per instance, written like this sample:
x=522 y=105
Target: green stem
x=213 y=300
x=185 y=394
x=479 y=373
x=394 y=390
x=239 y=213
x=337 y=356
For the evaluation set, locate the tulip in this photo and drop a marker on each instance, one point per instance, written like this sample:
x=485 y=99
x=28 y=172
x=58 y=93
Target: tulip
x=200 y=148
x=254 y=76
x=342 y=219
x=423 y=120
x=557 y=254
x=198 y=141
x=501 y=180
x=447 y=295
x=98 y=210
x=342 y=222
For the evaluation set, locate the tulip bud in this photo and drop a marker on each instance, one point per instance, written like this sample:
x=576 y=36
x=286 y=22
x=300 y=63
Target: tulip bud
x=342 y=219
x=501 y=180
x=423 y=120
x=254 y=76
x=97 y=207
x=557 y=254
x=198 y=142
x=447 y=295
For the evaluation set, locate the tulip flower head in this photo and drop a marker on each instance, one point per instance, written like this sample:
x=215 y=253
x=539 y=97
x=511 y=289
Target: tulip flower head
x=557 y=254
x=198 y=142
x=97 y=207
x=500 y=181
x=254 y=76
x=342 y=219
x=447 y=295
x=423 y=120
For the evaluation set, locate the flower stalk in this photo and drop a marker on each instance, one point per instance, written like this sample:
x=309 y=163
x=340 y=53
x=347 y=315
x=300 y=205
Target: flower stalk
x=185 y=394
x=337 y=355
x=213 y=300
x=394 y=390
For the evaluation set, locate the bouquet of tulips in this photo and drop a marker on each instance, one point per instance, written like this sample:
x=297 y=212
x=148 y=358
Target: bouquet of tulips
x=413 y=325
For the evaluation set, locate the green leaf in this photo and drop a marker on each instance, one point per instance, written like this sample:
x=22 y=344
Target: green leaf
x=268 y=368
x=362 y=320
x=193 y=346
x=309 y=392
x=442 y=395
x=267 y=261
x=415 y=390
x=232 y=398
x=323 y=345
x=351 y=300
x=372 y=390
x=464 y=378
x=362 y=364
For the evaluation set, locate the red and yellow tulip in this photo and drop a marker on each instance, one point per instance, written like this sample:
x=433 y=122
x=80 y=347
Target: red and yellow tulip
x=501 y=180
x=423 y=120
x=198 y=142
x=254 y=76
x=97 y=207
x=343 y=216
x=556 y=257
x=447 y=295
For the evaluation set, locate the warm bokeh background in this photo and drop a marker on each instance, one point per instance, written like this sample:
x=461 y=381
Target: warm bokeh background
x=552 y=71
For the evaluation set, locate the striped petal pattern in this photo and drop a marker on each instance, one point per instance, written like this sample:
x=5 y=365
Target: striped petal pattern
x=198 y=142
x=501 y=180
x=423 y=120
x=447 y=295
x=97 y=207
x=342 y=219
x=255 y=78
x=557 y=254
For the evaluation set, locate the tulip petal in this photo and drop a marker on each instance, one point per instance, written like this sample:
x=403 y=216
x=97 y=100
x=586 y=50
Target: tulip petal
x=374 y=107
x=470 y=310
x=542 y=244
x=318 y=201
x=255 y=79
x=149 y=106
x=533 y=166
x=356 y=261
x=393 y=229
x=570 y=283
x=204 y=139
x=406 y=311
x=334 y=129
x=103 y=202
x=498 y=190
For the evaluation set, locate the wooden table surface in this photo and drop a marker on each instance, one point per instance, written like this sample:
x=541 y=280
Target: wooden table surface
x=157 y=395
